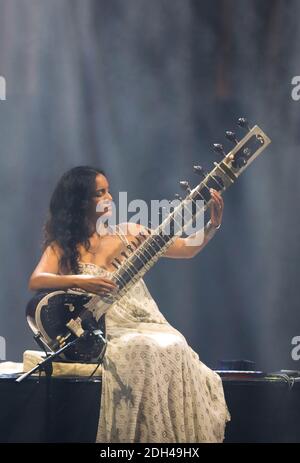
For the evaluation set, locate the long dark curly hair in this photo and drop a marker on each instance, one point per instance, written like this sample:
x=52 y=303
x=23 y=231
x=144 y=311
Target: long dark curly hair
x=69 y=217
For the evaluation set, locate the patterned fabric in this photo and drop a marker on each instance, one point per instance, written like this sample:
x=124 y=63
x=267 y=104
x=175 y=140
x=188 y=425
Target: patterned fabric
x=154 y=387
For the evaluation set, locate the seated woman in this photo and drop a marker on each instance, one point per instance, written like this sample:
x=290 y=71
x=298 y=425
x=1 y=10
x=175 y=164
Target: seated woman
x=154 y=387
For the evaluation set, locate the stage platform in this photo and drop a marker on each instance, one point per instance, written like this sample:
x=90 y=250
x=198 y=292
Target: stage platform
x=66 y=409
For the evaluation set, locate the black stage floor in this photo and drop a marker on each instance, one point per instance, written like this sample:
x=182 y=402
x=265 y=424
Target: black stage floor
x=67 y=409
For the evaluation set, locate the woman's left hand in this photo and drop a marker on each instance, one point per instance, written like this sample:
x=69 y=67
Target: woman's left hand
x=216 y=208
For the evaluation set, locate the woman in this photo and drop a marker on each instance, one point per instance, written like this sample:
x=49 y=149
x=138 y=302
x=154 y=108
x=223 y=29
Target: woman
x=154 y=387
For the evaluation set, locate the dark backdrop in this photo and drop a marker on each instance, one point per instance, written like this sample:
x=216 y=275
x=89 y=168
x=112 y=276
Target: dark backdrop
x=141 y=89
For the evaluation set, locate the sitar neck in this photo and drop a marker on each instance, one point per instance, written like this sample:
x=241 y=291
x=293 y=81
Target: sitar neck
x=224 y=173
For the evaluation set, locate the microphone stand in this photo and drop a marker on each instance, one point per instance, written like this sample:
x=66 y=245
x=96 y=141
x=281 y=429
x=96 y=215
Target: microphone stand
x=46 y=365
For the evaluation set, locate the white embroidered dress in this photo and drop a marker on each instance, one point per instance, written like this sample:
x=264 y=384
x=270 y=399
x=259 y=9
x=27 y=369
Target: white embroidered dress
x=154 y=387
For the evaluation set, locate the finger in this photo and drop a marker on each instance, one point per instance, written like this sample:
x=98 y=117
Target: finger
x=216 y=214
x=219 y=205
x=218 y=195
x=215 y=209
x=106 y=281
x=215 y=193
x=218 y=200
x=216 y=204
x=107 y=286
x=106 y=293
x=213 y=206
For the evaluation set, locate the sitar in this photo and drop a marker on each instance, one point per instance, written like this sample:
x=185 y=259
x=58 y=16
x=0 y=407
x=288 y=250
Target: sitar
x=59 y=316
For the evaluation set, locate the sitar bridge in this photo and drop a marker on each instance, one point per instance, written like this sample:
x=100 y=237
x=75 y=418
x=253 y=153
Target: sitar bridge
x=75 y=327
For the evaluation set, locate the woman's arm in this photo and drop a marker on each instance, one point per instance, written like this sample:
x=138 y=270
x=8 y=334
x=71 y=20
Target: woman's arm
x=185 y=248
x=45 y=275
x=189 y=247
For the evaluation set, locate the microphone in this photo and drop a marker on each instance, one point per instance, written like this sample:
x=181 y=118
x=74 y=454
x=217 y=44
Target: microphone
x=91 y=329
x=89 y=324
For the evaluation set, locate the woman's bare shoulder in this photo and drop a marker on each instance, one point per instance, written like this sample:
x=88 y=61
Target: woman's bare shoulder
x=55 y=249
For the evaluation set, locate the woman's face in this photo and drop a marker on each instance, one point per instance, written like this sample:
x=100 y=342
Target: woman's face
x=102 y=197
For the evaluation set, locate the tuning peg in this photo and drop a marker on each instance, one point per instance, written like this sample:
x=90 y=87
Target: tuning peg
x=185 y=185
x=231 y=136
x=239 y=163
x=138 y=239
x=242 y=122
x=218 y=148
x=143 y=235
x=177 y=196
x=123 y=253
x=116 y=265
x=199 y=170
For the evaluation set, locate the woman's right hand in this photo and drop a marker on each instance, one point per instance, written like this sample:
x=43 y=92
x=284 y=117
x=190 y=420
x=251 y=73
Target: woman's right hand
x=98 y=285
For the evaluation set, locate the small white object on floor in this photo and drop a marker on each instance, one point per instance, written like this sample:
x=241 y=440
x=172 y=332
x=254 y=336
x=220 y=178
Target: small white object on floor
x=10 y=368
